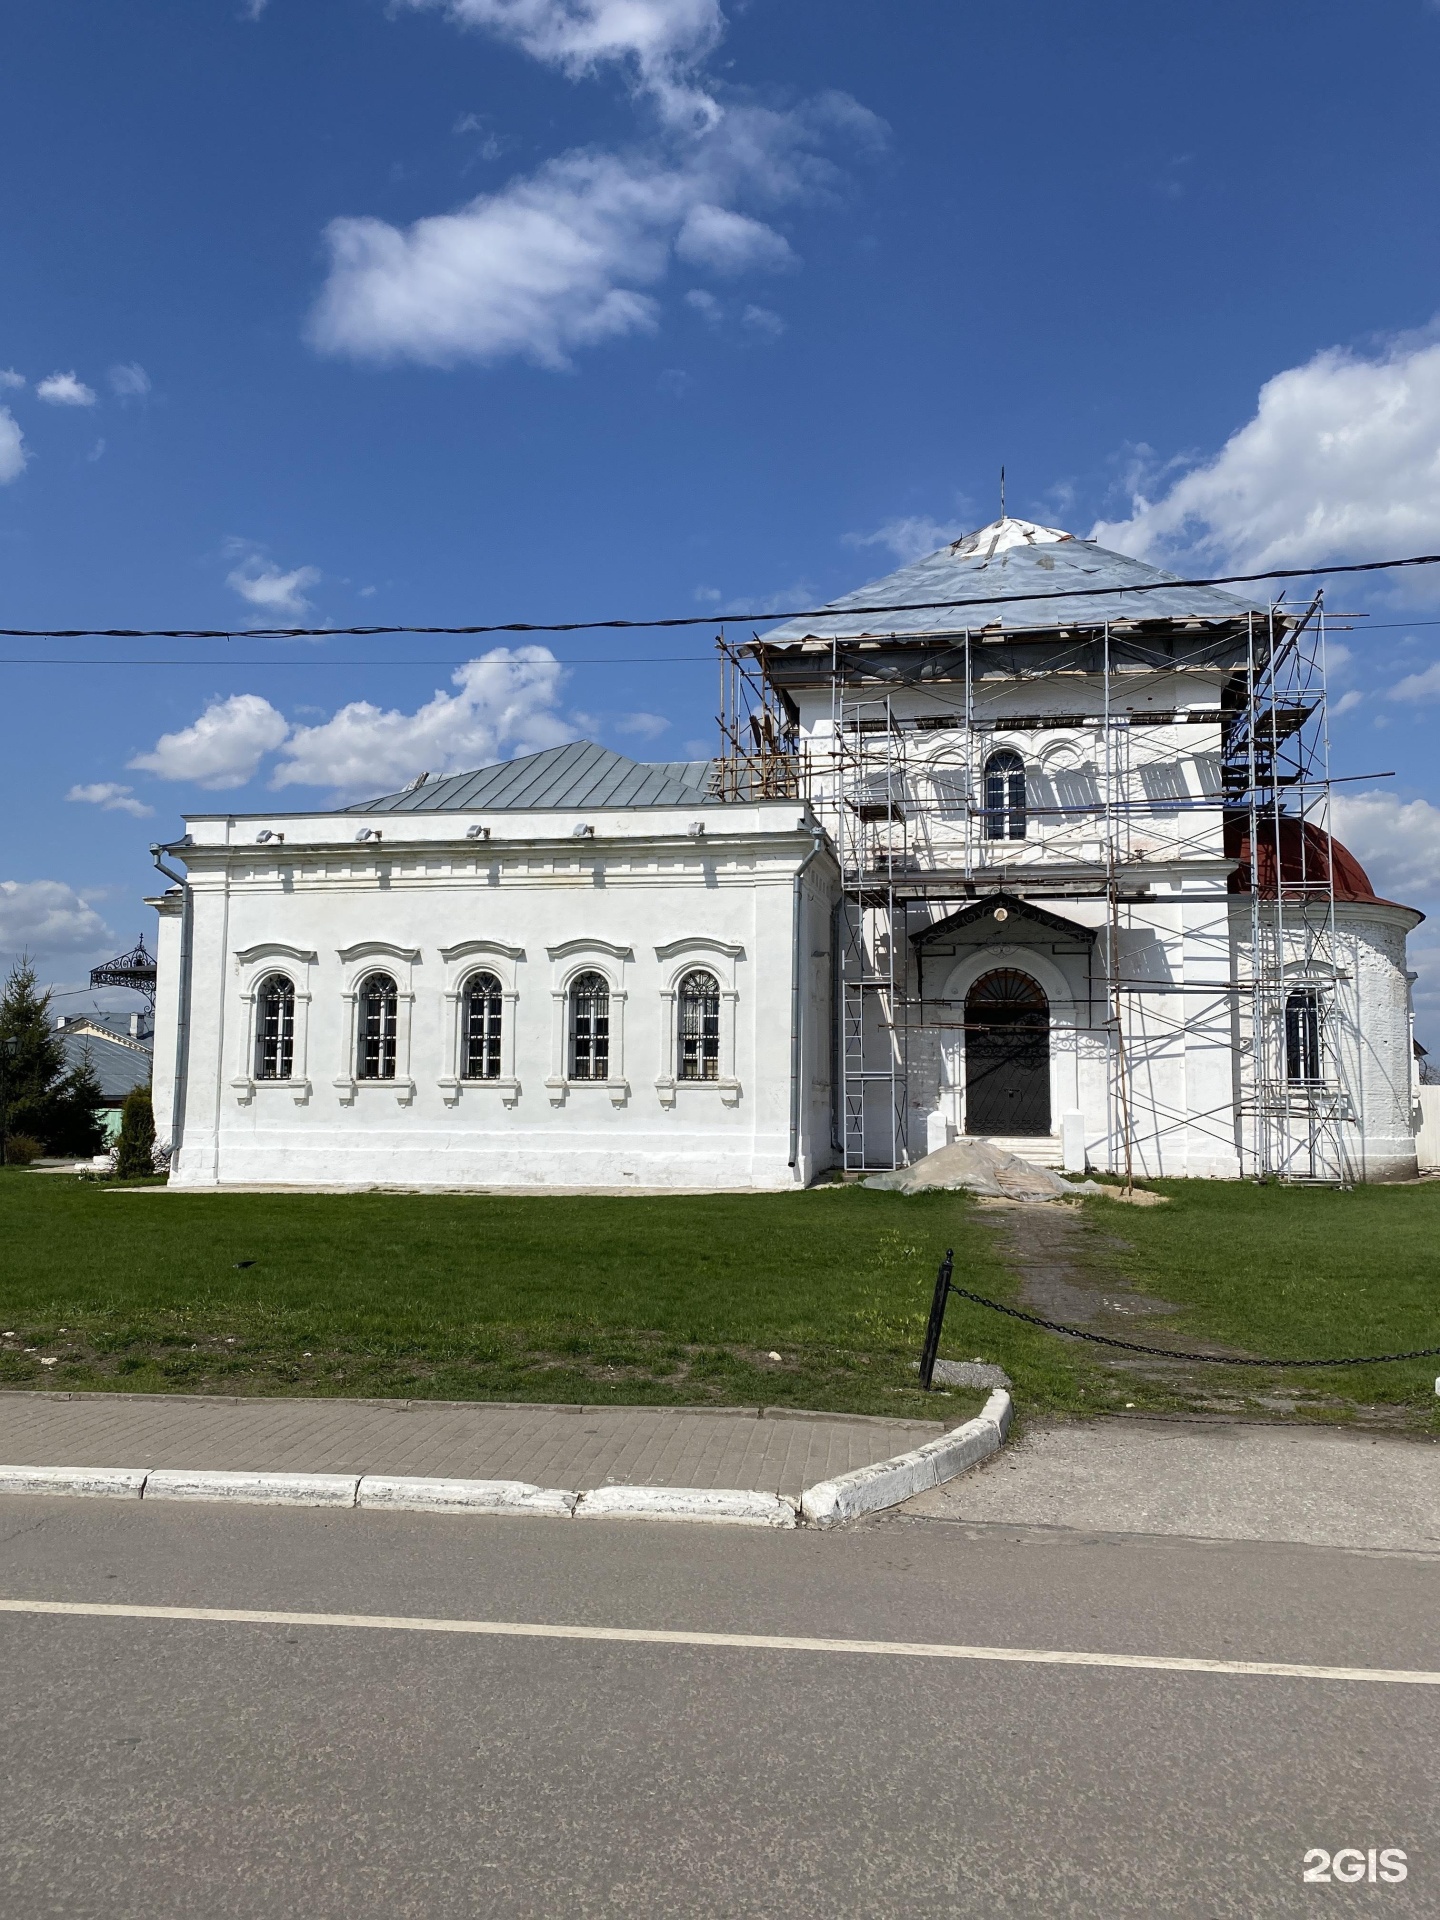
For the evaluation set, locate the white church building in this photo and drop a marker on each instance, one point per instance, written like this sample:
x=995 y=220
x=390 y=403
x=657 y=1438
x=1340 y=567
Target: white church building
x=1027 y=841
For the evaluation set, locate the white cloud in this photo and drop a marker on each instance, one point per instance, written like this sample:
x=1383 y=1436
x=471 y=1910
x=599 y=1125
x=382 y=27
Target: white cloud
x=47 y=916
x=800 y=593
x=64 y=390
x=763 y=321
x=223 y=748
x=263 y=585
x=731 y=243
x=12 y=448
x=506 y=703
x=97 y=452
x=644 y=726
x=661 y=42
x=910 y=537
x=129 y=382
x=10 y=378
x=533 y=270
x=566 y=257
x=1340 y=461
x=1346 y=703
x=705 y=304
x=113 y=798
x=1396 y=841
x=1418 y=686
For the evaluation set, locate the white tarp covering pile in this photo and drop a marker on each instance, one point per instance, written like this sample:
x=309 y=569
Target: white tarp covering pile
x=980 y=1168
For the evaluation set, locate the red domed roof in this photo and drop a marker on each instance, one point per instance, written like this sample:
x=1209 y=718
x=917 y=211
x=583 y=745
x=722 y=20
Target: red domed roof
x=1305 y=854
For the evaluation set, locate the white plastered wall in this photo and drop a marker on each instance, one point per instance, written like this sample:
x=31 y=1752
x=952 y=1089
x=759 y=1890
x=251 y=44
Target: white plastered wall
x=640 y=904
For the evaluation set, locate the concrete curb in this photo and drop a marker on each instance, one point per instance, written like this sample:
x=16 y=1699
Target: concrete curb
x=256 y=1489
x=888 y=1482
x=405 y=1494
x=827 y=1504
x=736 y=1507
x=123 y=1483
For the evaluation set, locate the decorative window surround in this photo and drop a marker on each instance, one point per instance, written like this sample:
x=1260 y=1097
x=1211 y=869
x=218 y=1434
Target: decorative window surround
x=364 y=958
x=570 y=958
x=471 y=957
x=680 y=957
x=254 y=966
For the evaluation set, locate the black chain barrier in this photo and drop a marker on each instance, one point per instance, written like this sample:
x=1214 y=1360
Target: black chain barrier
x=945 y=1286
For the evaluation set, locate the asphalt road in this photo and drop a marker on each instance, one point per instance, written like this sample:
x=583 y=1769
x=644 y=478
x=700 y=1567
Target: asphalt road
x=152 y=1768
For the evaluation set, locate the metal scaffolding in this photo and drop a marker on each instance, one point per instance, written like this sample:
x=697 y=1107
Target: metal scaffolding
x=900 y=784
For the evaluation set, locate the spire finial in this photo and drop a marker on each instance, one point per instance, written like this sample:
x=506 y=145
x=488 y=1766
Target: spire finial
x=1002 y=493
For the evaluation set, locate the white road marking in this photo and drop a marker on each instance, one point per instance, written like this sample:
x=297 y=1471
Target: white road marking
x=744 y=1642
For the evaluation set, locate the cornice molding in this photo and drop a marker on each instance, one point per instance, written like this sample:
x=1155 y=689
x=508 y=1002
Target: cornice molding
x=471 y=949
x=700 y=943
x=377 y=950
x=276 y=950
x=567 y=949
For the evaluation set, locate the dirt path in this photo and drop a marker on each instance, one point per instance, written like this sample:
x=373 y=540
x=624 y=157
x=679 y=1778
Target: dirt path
x=1070 y=1269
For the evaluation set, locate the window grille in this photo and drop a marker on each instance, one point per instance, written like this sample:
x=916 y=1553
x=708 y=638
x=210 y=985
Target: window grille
x=699 y=1027
x=1005 y=796
x=1302 y=1036
x=483 y=1001
x=275 y=1029
x=378 y=1015
x=590 y=1028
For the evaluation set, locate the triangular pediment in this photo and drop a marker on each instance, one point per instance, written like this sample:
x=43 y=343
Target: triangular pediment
x=1018 y=913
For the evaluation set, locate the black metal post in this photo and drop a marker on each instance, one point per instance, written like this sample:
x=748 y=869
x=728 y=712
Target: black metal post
x=937 y=1320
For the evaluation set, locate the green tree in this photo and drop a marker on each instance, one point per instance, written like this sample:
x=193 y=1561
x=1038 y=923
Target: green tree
x=33 y=1064
x=135 y=1149
x=78 y=1128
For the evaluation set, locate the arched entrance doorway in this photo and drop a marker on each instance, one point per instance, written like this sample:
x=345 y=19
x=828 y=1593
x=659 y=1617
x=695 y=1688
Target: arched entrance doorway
x=1007 y=1055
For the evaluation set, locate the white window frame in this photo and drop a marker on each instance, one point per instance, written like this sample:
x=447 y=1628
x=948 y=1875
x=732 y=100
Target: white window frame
x=462 y=963
x=687 y=955
x=360 y=961
x=569 y=960
x=254 y=966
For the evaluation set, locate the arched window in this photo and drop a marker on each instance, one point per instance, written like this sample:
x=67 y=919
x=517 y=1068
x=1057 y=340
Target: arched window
x=1302 y=1036
x=378 y=1012
x=590 y=1027
x=483 y=1000
x=1005 y=796
x=275 y=1028
x=699 y=1027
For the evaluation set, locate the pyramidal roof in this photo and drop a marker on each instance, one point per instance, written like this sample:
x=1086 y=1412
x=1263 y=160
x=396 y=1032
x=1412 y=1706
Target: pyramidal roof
x=1022 y=576
x=579 y=774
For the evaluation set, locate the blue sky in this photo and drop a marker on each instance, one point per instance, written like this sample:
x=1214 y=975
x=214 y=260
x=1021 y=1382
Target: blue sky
x=329 y=311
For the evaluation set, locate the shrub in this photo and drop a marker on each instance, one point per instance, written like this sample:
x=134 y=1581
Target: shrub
x=135 y=1149
x=20 y=1149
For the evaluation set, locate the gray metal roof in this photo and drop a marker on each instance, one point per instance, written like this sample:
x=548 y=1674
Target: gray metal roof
x=1018 y=561
x=580 y=774
x=119 y=1069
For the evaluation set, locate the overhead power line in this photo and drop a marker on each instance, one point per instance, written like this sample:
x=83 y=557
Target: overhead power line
x=701 y=619
x=209 y=664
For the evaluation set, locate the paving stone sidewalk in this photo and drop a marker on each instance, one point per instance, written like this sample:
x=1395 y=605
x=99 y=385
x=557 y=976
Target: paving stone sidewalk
x=1207 y=1479
x=579 y=1448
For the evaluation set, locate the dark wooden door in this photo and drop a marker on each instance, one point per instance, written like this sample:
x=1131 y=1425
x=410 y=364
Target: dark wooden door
x=1007 y=1055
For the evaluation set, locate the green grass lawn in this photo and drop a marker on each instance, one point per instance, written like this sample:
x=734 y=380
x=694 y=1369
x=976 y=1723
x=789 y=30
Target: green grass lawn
x=677 y=1301
x=1296 y=1271
x=683 y=1301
